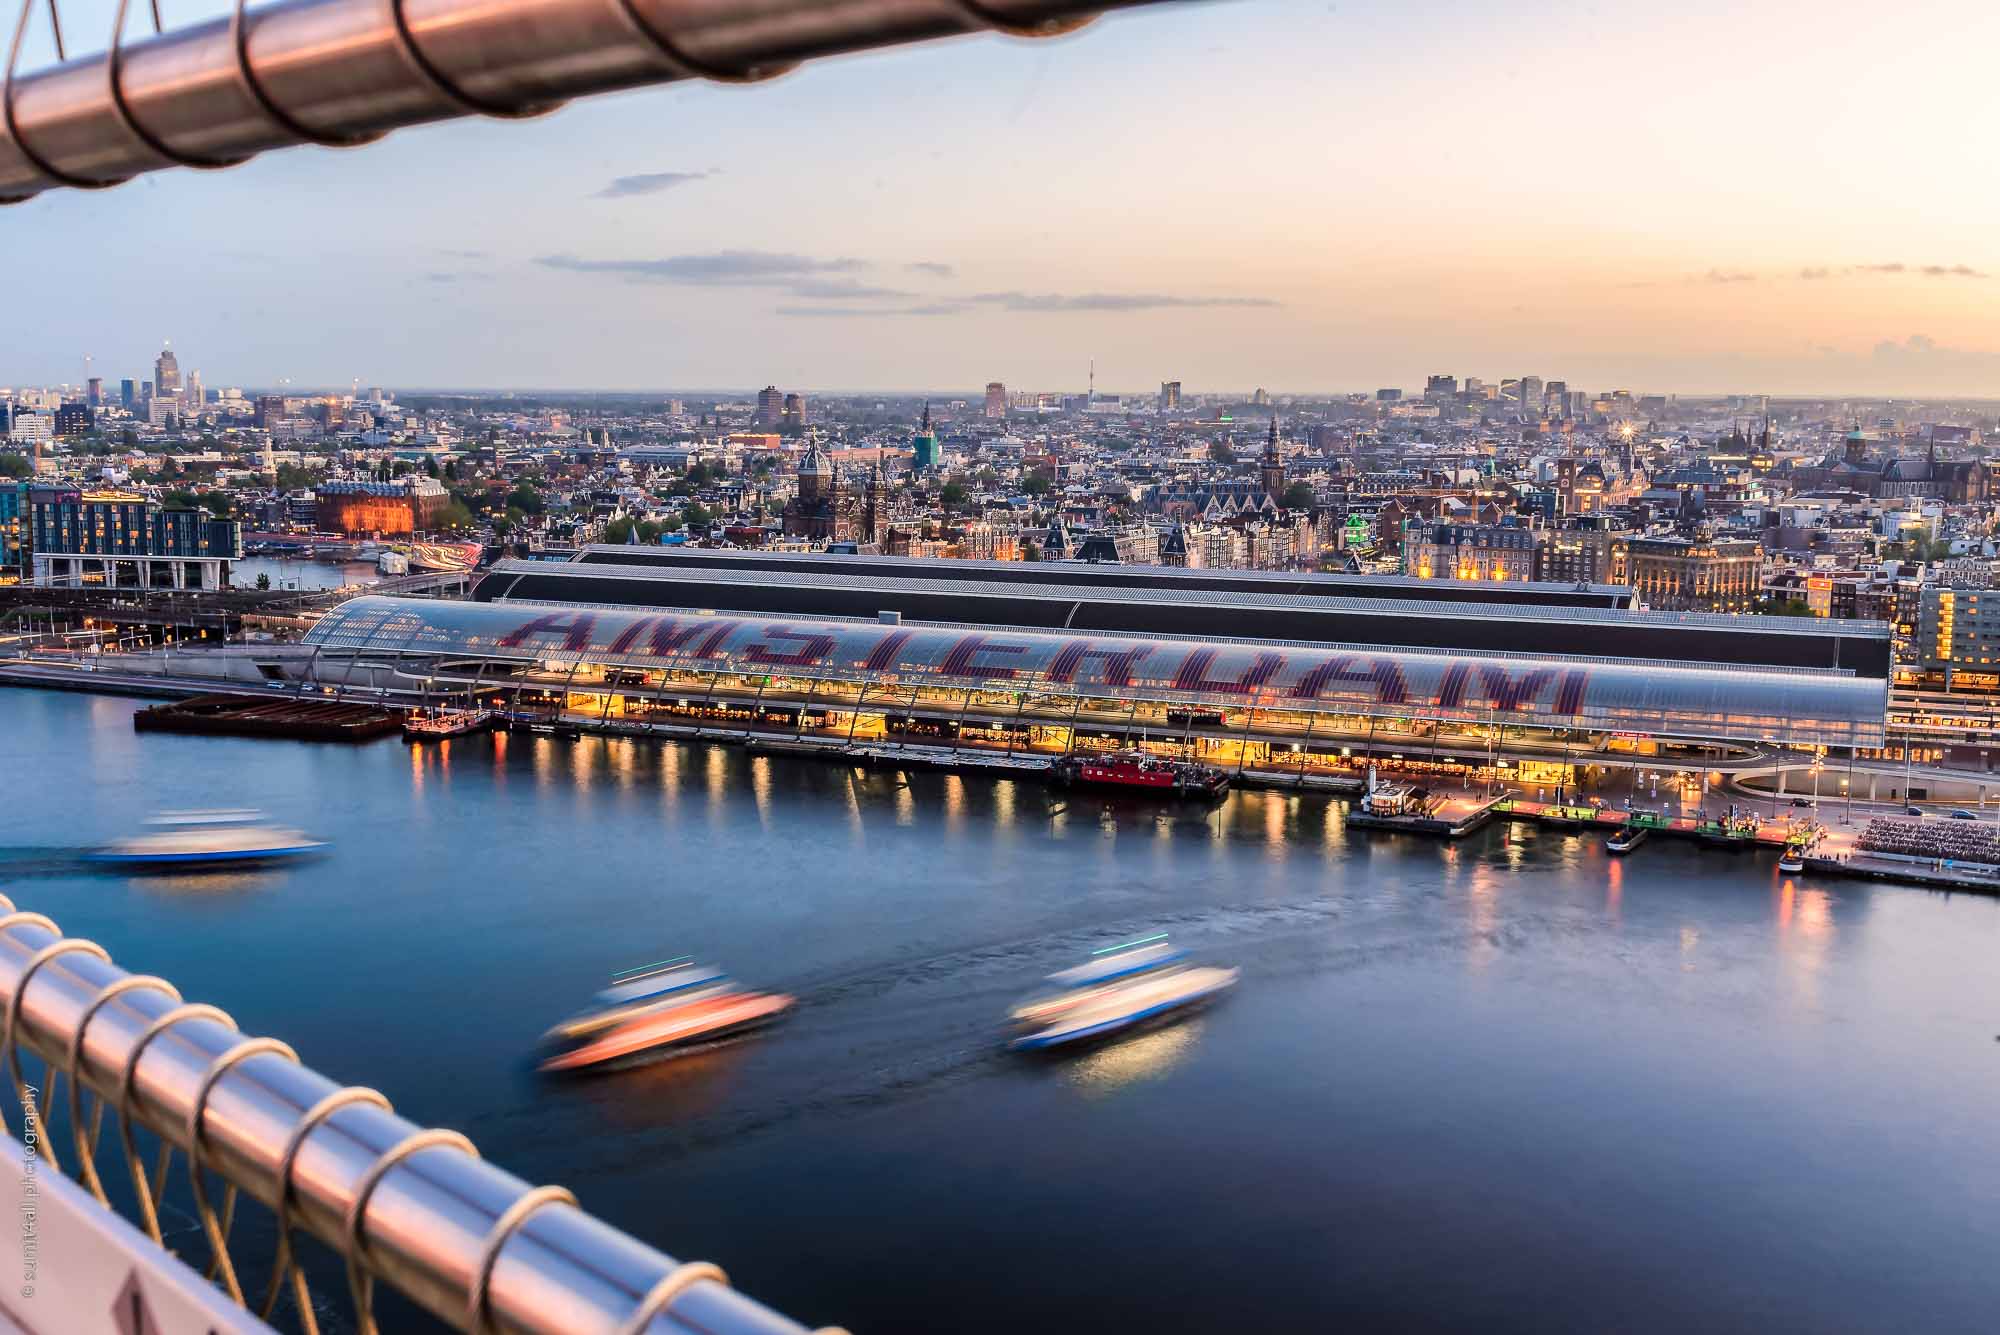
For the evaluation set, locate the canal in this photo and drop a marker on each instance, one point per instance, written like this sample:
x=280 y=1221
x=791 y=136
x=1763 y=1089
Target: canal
x=1508 y=1084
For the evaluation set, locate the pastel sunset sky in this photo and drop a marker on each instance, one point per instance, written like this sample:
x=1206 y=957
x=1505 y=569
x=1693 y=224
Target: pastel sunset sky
x=1780 y=197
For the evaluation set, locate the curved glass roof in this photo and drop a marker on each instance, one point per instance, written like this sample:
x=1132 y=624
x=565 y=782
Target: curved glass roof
x=1617 y=695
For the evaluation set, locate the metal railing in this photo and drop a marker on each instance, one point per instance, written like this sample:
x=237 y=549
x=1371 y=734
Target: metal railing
x=416 y=1209
x=342 y=73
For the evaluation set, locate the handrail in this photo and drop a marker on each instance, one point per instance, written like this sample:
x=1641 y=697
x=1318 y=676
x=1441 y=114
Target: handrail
x=344 y=72
x=407 y=1206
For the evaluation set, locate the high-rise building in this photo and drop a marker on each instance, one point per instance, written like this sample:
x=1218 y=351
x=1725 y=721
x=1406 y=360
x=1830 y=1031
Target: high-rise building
x=1531 y=395
x=793 y=415
x=196 y=396
x=128 y=392
x=1440 y=387
x=93 y=391
x=14 y=523
x=74 y=419
x=269 y=410
x=1170 y=396
x=1556 y=395
x=996 y=400
x=166 y=374
x=770 y=407
x=123 y=539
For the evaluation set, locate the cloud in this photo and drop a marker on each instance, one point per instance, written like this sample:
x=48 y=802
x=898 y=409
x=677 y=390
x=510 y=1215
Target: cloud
x=723 y=268
x=648 y=183
x=1108 y=301
x=1951 y=271
x=1923 y=362
x=865 y=312
x=465 y=254
x=458 y=276
x=1727 y=276
x=838 y=289
x=1810 y=273
x=931 y=269
x=1879 y=268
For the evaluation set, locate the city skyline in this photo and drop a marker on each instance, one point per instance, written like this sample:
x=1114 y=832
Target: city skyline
x=1236 y=196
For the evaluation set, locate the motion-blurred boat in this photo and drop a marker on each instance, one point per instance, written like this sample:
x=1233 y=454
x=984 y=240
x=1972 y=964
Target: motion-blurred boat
x=1141 y=982
x=208 y=838
x=658 y=1009
x=1793 y=859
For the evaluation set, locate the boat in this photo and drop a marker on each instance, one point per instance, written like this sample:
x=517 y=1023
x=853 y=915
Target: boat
x=207 y=839
x=1141 y=982
x=1626 y=838
x=1792 y=860
x=550 y=727
x=392 y=563
x=445 y=557
x=432 y=725
x=1140 y=771
x=658 y=1010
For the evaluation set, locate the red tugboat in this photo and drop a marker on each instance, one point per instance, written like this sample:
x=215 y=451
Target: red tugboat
x=1140 y=771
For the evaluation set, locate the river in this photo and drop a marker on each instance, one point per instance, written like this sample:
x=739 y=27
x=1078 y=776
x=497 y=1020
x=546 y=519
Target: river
x=288 y=574
x=1499 y=1085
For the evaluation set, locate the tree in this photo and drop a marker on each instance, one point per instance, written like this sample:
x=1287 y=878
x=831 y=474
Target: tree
x=1298 y=496
x=1031 y=551
x=263 y=582
x=430 y=465
x=454 y=516
x=697 y=515
x=952 y=495
x=1036 y=485
x=1220 y=453
x=527 y=500
x=15 y=465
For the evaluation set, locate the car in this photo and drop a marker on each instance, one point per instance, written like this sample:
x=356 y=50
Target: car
x=1963 y=814
x=1802 y=802
x=1913 y=811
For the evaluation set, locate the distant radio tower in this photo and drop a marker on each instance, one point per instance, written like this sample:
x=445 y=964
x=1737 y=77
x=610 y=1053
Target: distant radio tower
x=1091 y=396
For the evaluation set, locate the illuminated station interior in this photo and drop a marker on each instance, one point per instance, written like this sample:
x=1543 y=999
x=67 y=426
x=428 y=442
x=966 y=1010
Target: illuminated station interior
x=1252 y=672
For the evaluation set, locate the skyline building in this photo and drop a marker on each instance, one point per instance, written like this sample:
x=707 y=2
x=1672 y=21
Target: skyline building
x=770 y=407
x=1170 y=396
x=996 y=400
x=166 y=373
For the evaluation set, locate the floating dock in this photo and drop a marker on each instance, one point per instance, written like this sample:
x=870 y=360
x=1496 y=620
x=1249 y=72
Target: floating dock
x=297 y=720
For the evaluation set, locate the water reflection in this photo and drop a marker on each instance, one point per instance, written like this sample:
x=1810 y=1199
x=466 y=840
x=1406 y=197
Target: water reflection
x=207 y=883
x=1125 y=1062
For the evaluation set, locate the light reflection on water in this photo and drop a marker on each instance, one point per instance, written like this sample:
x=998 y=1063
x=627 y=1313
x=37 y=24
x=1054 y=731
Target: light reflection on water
x=1117 y=1065
x=1511 y=1056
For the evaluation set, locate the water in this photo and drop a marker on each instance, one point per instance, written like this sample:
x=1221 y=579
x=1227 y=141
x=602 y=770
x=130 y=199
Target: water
x=303 y=574
x=1484 y=1086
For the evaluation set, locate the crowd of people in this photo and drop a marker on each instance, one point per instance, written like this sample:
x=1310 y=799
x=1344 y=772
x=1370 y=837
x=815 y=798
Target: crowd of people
x=1941 y=841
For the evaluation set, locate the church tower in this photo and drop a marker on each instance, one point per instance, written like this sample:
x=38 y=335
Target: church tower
x=875 y=511
x=1272 y=470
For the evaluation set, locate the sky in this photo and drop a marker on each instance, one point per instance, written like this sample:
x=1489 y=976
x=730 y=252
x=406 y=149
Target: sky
x=1687 y=197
